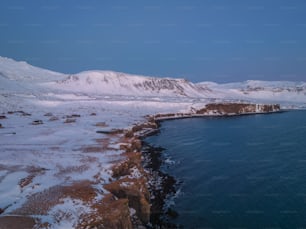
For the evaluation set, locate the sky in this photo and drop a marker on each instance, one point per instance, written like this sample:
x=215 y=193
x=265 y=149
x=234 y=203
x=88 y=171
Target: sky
x=204 y=40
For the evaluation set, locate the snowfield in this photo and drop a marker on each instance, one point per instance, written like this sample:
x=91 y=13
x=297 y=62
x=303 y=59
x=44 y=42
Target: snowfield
x=55 y=130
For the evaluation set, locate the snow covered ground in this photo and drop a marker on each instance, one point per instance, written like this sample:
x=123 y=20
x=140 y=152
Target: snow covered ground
x=55 y=129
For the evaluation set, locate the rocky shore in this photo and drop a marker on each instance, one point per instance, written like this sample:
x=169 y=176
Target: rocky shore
x=135 y=194
x=146 y=193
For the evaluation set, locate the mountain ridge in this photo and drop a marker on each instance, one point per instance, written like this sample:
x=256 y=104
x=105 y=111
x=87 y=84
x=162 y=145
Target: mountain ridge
x=98 y=82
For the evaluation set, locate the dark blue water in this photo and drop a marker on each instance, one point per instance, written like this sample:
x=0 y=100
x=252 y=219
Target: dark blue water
x=238 y=172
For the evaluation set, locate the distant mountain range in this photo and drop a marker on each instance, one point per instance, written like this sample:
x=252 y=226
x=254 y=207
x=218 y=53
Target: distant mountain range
x=21 y=77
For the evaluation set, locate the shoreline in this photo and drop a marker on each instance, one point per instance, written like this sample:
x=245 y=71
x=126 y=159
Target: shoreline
x=128 y=201
x=158 y=184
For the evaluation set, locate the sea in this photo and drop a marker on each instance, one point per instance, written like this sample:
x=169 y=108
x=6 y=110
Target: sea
x=236 y=172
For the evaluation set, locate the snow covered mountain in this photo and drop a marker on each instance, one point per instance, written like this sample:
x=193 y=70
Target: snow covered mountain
x=22 y=77
x=263 y=91
x=23 y=72
x=116 y=83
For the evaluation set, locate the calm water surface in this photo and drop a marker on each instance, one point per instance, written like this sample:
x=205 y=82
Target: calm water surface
x=238 y=172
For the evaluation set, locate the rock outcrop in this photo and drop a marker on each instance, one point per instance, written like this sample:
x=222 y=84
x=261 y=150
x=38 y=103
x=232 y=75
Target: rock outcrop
x=222 y=109
x=237 y=108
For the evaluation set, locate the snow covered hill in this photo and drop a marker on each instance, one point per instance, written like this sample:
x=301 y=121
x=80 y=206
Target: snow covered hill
x=284 y=92
x=20 y=77
x=23 y=72
x=117 y=83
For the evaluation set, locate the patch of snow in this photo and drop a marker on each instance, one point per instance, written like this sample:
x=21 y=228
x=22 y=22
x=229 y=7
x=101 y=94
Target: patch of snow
x=9 y=188
x=132 y=211
x=66 y=214
x=126 y=184
x=135 y=173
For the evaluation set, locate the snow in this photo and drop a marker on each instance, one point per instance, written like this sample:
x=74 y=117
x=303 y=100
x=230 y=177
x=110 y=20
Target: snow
x=116 y=83
x=286 y=93
x=64 y=153
x=135 y=173
x=66 y=214
x=132 y=211
x=24 y=72
x=9 y=188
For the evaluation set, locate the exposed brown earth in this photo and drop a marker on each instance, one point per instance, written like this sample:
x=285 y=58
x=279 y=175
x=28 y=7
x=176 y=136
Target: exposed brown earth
x=33 y=172
x=110 y=213
x=82 y=190
x=40 y=203
x=16 y=222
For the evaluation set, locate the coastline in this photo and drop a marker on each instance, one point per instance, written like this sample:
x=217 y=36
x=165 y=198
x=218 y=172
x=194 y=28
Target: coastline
x=156 y=185
x=134 y=194
x=72 y=151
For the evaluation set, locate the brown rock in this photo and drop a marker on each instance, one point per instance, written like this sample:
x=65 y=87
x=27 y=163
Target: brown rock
x=19 y=112
x=123 y=169
x=271 y=108
x=24 y=113
x=134 y=146
x=53 y=118
x=129 y=134
x=73 y=116
x=136 y=192
x=70 y=120
x=145 y=125
x=37 y=122
x=2 y=117
x=237 y=108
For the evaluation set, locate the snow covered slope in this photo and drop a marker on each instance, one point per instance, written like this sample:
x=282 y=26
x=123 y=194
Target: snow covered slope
x=20 y=77
x=116 y=83
x=24 y=72
x=283 y=92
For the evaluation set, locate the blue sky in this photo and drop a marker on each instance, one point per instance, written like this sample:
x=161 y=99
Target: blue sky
x=205 y=40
